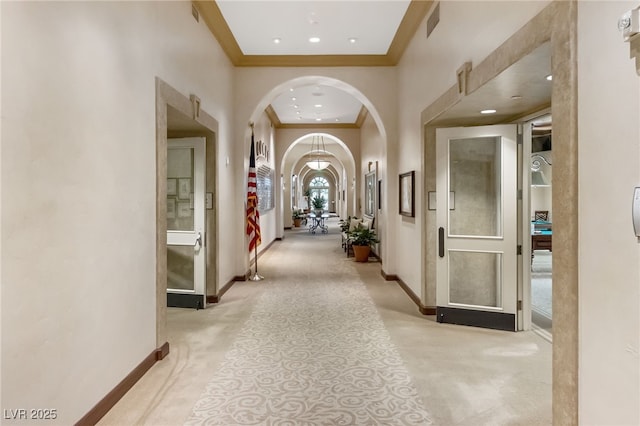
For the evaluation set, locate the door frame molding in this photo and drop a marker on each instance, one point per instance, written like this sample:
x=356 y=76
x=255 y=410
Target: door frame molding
x=204 y=125
x=557 y=24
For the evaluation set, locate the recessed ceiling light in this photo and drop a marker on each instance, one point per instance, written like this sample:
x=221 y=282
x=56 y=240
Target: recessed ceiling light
x=337 y=119
x=318 y=119
x=352 y=40
x=297 y=112
x=488 y=111
x=291 y=89
x=293 y=98
x=549 y=77
x=314 y=40
x=296 y=106
x=516 y=97
x=299 y=118
x=318 y=105
x=277 y=40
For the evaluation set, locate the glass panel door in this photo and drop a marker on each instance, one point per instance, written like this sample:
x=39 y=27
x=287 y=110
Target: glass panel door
x=185 y=223
x=476 y=214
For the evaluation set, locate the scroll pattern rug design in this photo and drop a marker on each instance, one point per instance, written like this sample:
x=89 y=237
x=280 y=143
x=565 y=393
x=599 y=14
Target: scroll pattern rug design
x=312 y=354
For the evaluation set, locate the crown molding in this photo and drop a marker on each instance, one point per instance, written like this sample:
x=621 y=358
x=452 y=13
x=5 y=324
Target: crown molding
x=214 y=20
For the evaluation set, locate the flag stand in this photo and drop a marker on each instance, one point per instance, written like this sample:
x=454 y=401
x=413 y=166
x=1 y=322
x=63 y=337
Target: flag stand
x=253 y=215
x=255 y=276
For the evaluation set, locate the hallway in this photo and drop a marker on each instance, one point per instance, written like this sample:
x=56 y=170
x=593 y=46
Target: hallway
x=315 y=342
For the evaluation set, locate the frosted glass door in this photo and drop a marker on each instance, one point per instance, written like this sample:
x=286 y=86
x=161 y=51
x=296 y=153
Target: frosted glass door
x=185 y=222
x=477 y=226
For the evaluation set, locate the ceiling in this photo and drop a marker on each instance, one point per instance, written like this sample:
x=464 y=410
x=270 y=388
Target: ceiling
x=382 y=29
x=521 y=89
x=351 y=33
x=285 y=27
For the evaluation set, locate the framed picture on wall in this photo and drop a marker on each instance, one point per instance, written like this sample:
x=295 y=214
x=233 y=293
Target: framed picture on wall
x=184 y=188
x=370 y=193
x=183 y=209
x=406 y=191
x=171 y=208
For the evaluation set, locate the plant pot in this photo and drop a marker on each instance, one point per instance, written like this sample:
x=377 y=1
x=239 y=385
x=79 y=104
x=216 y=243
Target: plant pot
x=297 y=222
x=361 y=253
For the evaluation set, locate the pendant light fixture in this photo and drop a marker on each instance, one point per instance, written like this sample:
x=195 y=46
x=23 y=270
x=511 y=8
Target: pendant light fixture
x=316 y=161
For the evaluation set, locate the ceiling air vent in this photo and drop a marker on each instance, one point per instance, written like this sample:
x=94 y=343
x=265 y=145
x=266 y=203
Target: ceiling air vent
x=433 y=19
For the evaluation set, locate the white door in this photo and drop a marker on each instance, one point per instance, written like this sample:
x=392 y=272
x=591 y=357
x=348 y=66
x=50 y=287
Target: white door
x=476 y=209
x=186 y=264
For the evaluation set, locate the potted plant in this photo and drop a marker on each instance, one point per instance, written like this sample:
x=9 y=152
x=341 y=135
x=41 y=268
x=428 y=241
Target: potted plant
x=297 y=218
x=361 y=241
x=318 y=204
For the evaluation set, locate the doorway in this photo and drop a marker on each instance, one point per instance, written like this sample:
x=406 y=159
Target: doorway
x=477 y=282
x=179 y=116
x=554 y=26
x=186 y=252
x=540 y=211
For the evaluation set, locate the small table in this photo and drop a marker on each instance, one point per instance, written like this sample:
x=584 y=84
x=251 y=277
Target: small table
x=541 y=241
x=318 y=222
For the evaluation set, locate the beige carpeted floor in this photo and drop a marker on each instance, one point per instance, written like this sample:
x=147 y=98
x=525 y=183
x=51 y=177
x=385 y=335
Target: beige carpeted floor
x=325 y=340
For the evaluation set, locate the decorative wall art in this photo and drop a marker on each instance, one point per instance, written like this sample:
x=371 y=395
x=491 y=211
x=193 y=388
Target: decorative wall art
x=172 y=186
x=184 y=188
x=406 y=191
x=265 y=177
x=370 y=193
x=184 y=210
x=171 y=208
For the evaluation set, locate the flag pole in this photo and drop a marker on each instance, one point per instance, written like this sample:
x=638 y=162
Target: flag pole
x=256 y=276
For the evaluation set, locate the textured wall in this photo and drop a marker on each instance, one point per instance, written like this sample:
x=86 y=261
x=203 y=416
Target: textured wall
x=79 y=218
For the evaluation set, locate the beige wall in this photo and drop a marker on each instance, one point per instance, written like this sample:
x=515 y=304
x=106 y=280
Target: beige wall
x=609 y=161
x=78 y=132
x=468 y=31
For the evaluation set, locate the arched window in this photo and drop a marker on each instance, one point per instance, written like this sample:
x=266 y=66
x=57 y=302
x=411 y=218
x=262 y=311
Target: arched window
x=319 y=187
x=319 y=182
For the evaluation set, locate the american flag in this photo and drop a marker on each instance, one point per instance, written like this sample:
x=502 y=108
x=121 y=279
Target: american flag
x=253 y=216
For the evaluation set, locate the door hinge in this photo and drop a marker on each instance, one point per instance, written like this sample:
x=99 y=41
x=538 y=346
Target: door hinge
x=519 y=305
x=519 y=250
x=519 y=194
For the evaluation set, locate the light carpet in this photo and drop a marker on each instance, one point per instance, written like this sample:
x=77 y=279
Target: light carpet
x=314 y=351
x=541 y=283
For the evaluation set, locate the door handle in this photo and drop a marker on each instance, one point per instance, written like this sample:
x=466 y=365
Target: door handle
x=441 y=241
x=198 y=244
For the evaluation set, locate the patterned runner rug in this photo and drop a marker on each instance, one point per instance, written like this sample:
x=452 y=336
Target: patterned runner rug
x=313 y=352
